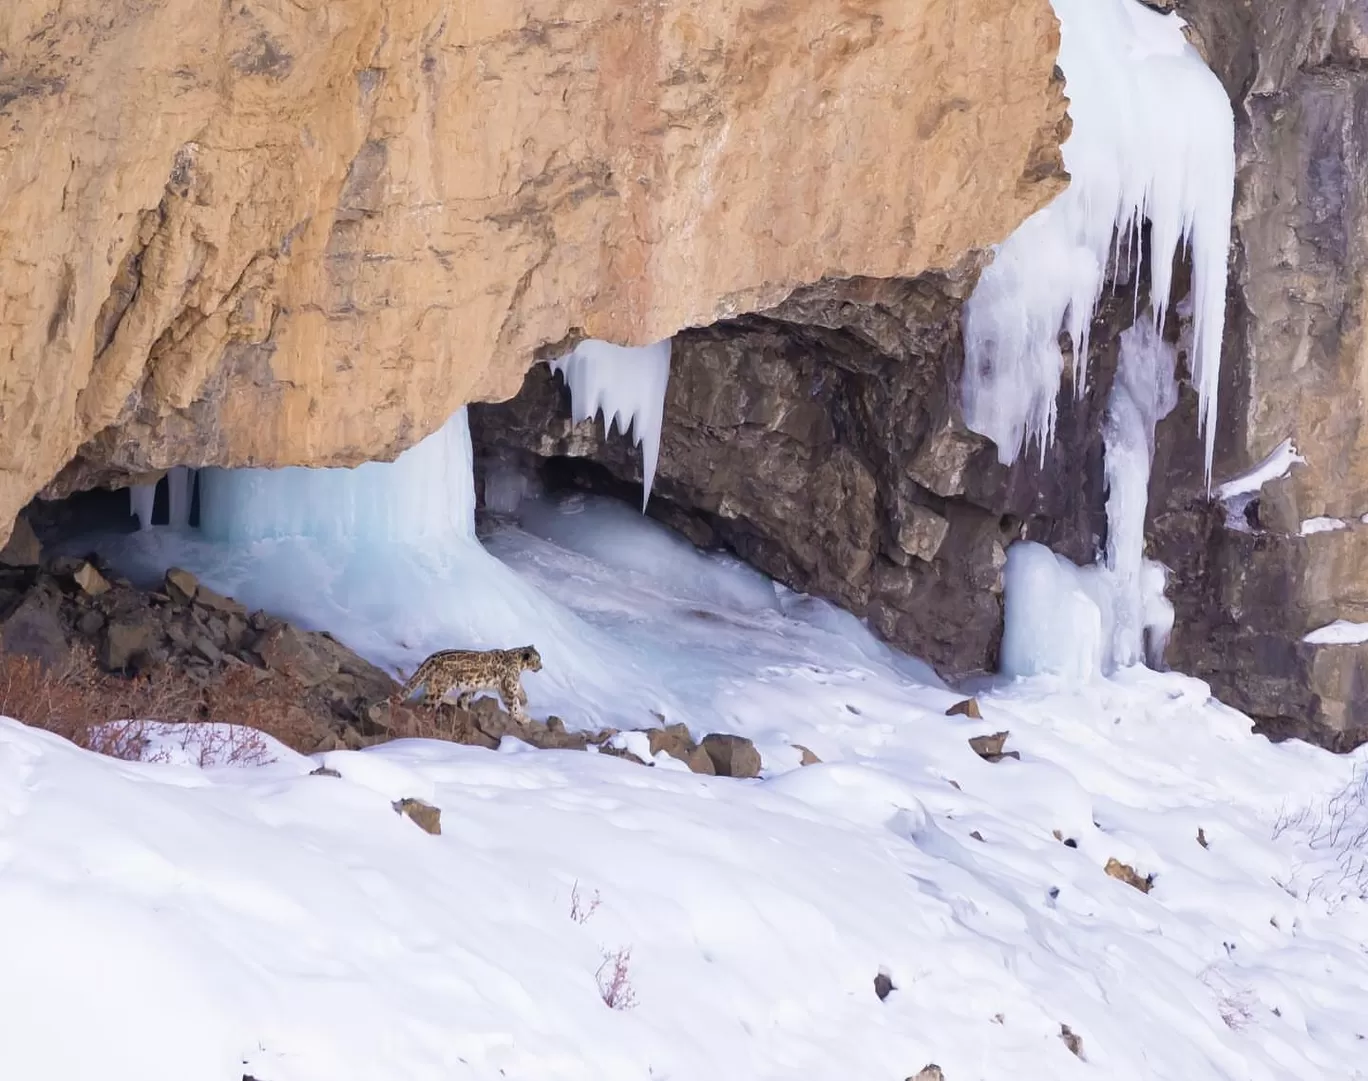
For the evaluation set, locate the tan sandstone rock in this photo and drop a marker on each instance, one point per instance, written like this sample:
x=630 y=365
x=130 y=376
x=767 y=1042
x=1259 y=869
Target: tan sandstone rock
x=305 y=232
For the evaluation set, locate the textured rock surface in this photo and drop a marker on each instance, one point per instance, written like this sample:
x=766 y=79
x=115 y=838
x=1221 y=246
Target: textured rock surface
x=822 y=443
x=1295 y=367
x=281 y=232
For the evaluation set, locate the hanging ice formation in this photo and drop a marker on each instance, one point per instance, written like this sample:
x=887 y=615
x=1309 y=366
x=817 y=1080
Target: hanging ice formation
x=627 y=385
x=141 y=499
x=424 y=499
x=180 y=486
x=1152 y=140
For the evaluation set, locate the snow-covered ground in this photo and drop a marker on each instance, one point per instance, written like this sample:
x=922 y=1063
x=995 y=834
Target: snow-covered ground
x=167 y=922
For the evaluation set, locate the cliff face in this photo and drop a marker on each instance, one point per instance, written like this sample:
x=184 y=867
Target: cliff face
x=1296 y=368
x=305 y=231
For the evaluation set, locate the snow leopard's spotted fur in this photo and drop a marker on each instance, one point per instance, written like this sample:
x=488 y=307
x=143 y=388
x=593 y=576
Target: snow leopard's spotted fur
x=468 y=671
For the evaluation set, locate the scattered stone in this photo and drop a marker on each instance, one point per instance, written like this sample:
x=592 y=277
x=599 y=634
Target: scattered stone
x=324 y=771
x=23 y=548
x=732 y=756
x=976 y=835
x=929 y=1072
x=807 y=757
x=673 y=739
x=1069 y=842
x=424 y=815
x=967 y=708
x=954 y=784
x=1201 y=837
x=1124 y=872
x=884 y=986
x=125 y=645
x=1072 y=1040
x=181 y=585
x=89 y=623
x=206 y=649
x=207 y=598
x=284 y=649
x=91 y=581
x=990 y=748
x=35 y=629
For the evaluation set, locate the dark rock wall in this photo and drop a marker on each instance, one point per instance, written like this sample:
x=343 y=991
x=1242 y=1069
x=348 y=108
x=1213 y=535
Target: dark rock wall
x=822 y=443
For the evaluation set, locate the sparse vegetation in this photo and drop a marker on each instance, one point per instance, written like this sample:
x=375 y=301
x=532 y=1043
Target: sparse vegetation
x=1336 y=832
x=615 y=980
x=217 y=721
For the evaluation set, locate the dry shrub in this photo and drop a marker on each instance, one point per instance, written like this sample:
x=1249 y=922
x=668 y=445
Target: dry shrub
x=137 y=718
x=614 y=978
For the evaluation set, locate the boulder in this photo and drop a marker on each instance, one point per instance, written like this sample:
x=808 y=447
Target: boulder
x=732 y=756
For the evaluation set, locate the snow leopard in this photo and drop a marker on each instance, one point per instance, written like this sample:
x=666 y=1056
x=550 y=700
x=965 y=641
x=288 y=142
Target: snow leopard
x=468 y=671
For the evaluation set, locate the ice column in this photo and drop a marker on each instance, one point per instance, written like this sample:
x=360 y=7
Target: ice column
x=1152 y=140
x=179 y=485
x=1144 y=393
x=425 y=498
x=141 y=499
x=626 y=385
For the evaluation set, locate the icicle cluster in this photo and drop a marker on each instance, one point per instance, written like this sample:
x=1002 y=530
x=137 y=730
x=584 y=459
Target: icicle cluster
x=626 y=385
x=1152 y=140
x=425 y=498
x=180 y=484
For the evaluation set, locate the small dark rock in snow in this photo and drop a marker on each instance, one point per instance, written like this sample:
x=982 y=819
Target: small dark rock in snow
x=968 y=708
x=424 y=815
x=324 y=771
x=1072 y=1040
x=929 y=1072
x=883 y=986
x=990 y=748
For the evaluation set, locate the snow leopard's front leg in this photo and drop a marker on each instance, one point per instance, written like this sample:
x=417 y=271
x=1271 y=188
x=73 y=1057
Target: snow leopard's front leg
x=513 y=697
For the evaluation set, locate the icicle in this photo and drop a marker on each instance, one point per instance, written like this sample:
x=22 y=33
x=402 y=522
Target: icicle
x=179 y=483
x=425 y=498
x=1153 y=139
x=627 y=385
x=141 y=499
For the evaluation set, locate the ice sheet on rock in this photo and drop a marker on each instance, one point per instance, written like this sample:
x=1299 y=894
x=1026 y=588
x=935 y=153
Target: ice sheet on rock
x=1238 y=493
x=1278 y=464
x=1342 y=632
x=627 y=385
x=1057 y=616
x=1322 y=525
x=1152 y=140
x=424 y=499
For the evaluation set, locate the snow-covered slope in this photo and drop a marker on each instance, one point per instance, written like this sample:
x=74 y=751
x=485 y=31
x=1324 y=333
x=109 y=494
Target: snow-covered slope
x=163 y=923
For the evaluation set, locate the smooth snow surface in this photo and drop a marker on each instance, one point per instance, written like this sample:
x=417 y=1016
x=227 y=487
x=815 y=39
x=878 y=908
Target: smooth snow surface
x=1152 y=140
x=210 y=916
x=1342 y=632
x=170 y=923
x=626 y=385
x=1322 y=525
